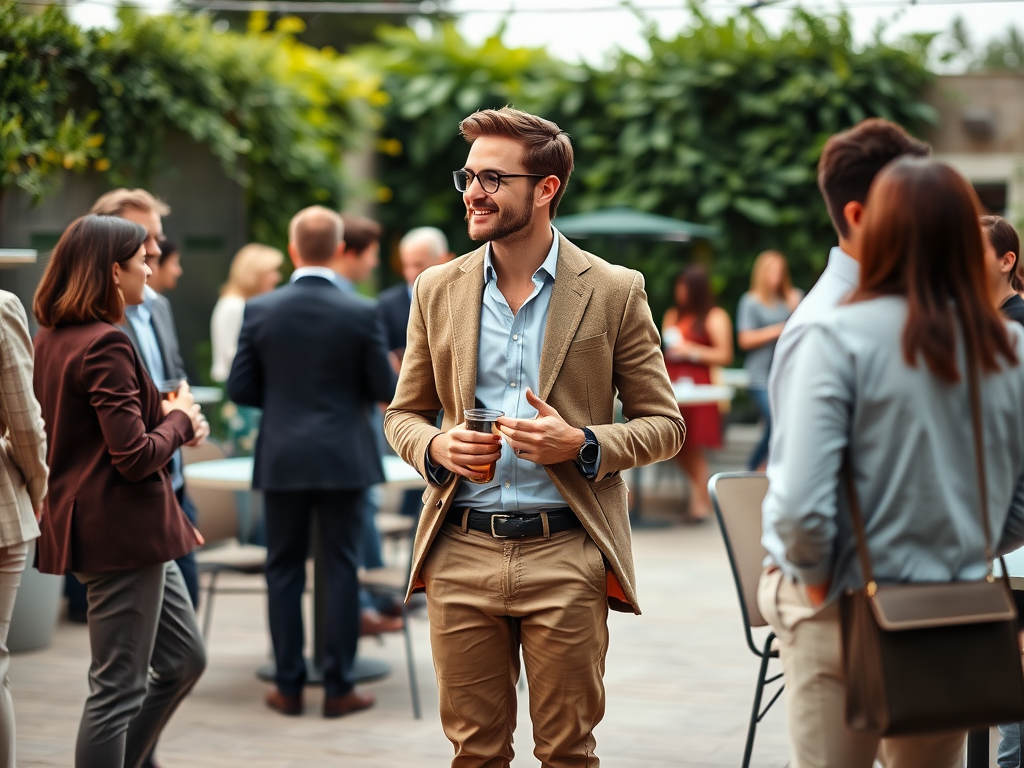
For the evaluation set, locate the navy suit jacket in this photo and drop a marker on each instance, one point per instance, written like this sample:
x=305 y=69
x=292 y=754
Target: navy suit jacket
x=313 y=357
x=394 y=306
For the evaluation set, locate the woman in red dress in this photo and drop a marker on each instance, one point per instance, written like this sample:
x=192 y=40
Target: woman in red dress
x=697 y=335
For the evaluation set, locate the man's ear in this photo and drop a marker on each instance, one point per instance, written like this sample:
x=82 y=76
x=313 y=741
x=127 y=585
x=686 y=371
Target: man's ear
x=549 y=187
x=293 y=254
x=853 y=212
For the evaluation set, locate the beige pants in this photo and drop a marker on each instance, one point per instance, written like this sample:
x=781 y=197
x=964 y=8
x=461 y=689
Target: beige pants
x=810 y=648
x=488 y=597
x=12 y=564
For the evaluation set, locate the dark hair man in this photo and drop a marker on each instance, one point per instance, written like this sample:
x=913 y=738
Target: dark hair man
x=531 y=325
x=804 y=619
x=311 y=354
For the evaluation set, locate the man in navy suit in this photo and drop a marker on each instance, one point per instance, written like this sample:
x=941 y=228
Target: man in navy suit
x=420 y=248
x=312 y=355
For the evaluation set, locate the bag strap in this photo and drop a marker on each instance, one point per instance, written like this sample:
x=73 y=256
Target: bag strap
x=979 y=458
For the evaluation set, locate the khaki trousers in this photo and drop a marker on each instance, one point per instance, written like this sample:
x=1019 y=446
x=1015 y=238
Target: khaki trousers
x=811 y=653
x=486 y=599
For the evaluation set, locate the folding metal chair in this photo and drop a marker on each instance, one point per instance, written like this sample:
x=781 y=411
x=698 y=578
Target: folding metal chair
x=737 y=498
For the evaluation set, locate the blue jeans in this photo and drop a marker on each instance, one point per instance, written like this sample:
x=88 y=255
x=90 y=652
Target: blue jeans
x=760 y=454
x=1008 y=754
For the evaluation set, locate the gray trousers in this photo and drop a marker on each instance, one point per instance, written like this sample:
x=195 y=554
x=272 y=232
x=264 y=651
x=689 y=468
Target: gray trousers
x=147 y=653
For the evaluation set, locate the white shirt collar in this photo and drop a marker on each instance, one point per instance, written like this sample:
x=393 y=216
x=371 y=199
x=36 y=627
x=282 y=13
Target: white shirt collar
x=844 y=266
x=326 y=273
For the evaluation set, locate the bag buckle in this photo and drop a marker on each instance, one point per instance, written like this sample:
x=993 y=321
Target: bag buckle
x=494 y=533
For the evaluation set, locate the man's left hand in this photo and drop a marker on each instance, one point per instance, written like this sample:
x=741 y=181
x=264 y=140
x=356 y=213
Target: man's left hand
x=546 y=439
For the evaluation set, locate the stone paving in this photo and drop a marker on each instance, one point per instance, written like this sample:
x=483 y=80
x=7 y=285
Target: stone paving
x=680 y=684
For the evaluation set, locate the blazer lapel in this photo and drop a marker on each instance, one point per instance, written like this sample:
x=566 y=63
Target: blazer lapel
x=569 y=297
x=464 y=300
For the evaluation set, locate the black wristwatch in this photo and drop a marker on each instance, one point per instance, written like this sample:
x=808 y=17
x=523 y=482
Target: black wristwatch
x=589 y=455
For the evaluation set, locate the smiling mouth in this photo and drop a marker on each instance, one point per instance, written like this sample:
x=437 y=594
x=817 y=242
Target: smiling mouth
x=479 y=212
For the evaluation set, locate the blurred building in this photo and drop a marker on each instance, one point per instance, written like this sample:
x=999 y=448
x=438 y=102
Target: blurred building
x=981 y=134
x=207 y=220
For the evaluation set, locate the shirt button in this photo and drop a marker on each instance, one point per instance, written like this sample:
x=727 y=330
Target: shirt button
x=512 y=384
x=507 y=486
x=515 y=337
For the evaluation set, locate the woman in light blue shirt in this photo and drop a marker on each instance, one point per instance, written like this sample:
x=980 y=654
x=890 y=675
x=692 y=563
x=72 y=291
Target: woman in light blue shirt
x=883 y=378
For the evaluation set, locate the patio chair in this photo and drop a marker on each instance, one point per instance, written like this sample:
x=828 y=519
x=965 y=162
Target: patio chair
x=223 y=551
x=391 y=582
x=737 y=498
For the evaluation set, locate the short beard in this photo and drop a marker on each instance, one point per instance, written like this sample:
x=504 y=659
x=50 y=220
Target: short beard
x=510 y=221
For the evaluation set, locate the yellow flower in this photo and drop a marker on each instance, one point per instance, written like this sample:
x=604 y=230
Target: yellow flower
x=102 y=165
x=385 y=194
x=290 y=25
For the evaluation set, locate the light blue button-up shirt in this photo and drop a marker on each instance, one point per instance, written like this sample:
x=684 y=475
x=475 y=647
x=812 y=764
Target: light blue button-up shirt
x=141 y=318
x=508 y=361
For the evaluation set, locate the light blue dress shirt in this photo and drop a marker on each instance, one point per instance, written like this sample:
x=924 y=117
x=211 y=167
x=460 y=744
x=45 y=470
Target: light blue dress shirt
x=910 y=437
x=141 y=318
x=508 y=362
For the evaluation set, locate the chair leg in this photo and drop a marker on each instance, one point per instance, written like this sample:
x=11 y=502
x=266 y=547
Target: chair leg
x=756 y=714
x=211 y=588
x=414 y=690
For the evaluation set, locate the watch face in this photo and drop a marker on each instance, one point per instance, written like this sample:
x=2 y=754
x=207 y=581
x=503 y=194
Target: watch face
x=588 y=453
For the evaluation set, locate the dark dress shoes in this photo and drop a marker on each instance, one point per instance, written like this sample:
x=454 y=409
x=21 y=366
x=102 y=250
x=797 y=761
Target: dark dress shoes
x=286 y=705
x=353 y=701
x=373 y=623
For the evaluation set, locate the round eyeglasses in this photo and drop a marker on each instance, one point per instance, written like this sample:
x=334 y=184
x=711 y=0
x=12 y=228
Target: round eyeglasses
x=489 y=180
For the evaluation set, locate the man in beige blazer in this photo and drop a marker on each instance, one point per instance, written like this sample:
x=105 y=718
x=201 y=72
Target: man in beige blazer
x=23 y=475
x=532 y=559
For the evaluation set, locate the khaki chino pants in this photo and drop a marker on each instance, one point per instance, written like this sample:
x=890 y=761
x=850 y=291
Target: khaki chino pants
x=488 y=597
x=810 y=648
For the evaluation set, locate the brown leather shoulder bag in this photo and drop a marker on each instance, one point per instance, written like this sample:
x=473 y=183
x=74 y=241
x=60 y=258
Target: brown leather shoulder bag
x=928 y=657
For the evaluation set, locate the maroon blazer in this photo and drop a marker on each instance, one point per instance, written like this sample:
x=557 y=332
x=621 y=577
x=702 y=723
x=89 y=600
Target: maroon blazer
x=110 y=505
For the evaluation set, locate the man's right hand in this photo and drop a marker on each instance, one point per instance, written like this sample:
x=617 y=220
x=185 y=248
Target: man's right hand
x=465 y=452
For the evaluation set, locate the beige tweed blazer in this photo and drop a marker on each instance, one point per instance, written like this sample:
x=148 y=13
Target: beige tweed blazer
x=22 y=440
x=601 y=341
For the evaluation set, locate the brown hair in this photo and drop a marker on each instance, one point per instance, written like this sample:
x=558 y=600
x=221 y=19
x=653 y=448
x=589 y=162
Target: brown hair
x=250 y=262
x=78 y=284
x=547 y=149
x=757 y=286
x=116 y=202
x=1004 y=239
x=316 y=232
x=360 y=232
x=922 y=240
x=850 y=161
x=699 y=298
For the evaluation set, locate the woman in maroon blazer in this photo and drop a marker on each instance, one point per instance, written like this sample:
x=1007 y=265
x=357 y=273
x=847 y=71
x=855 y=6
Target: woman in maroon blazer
x=111 y=516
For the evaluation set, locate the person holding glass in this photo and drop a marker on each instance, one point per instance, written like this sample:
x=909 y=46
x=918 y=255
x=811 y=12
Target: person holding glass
x=111 y=516
x=762 y=314
x=896 y=352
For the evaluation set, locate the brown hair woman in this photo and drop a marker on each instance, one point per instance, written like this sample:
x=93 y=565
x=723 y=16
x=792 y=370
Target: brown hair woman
x=882 y=382
x=697 y=335
x=110 y=515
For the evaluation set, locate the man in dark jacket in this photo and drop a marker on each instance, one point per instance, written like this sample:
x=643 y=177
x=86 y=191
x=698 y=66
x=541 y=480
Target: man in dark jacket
x=312 y=355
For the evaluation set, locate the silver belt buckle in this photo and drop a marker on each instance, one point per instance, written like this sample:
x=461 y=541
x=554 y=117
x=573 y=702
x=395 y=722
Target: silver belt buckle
x=494 y=533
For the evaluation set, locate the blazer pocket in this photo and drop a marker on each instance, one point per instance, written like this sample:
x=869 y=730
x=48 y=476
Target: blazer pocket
x=590 y=342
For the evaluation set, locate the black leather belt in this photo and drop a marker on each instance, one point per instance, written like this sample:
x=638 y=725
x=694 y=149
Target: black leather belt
x=502 y=526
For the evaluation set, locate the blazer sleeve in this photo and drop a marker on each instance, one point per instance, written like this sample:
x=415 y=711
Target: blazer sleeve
x=245 y=382
x=655 y=429
x=19 y=409
x=108 y=376
x=169 y=341
x=410 y=422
